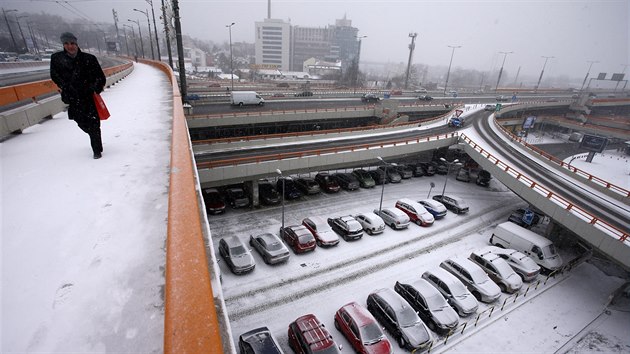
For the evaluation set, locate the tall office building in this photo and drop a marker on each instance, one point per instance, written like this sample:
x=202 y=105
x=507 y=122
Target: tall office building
x=309 y=42
x=273 y=44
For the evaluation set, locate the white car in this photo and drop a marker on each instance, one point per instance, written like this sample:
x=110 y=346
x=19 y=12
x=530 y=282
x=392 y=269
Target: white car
x=522 y=264
x=498 y=270
x=372 y=223
x=473 y=277
x=394 y=218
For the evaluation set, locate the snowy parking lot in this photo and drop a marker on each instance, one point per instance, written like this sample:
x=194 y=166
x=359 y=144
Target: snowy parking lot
x=322 y=281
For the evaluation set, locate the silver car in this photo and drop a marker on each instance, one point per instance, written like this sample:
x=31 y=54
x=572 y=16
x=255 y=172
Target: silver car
x=236 y=255
x=475 y=279
x=498 y=270
x=522 y=264
x=394 y=217
x=270 y=247
x=453 y=291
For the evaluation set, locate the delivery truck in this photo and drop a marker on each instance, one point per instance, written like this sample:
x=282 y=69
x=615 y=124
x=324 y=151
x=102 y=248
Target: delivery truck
x=242 y=98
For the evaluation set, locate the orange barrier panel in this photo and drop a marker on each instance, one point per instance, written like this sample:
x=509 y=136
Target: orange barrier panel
x=190 y=319
x=32 y=90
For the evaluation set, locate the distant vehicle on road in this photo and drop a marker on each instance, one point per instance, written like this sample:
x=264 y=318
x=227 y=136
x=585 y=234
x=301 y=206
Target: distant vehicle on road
x=370 y=97
x=425 y=98
x=502 y=98
x=242 y=98
x=304 y=94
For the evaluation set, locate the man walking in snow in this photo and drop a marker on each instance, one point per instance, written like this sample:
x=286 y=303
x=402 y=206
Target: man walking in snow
x=79 y=75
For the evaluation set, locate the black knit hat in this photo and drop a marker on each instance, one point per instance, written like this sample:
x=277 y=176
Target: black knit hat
x=67 y=37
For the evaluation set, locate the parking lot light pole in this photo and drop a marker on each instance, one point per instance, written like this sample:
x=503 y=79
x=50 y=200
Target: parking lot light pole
x=448 y=73
x=380 y=206
x=448 y=171
x=283 y=191
x=231 y=62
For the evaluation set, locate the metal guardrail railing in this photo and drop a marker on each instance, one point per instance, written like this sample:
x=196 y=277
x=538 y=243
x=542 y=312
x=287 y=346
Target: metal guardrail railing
x=550 y=195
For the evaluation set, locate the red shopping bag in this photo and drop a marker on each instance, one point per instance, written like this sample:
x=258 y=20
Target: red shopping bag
x=101 y=108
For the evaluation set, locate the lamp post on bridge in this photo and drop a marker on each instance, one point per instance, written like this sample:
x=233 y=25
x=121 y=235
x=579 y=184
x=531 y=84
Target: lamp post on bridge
x=542 y=72
x=505 y=54
x=140 y=34
x=133 y=32
x=148 y=25
x=448 y=73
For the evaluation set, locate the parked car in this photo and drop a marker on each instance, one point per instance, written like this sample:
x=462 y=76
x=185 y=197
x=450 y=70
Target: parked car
x=452 y=203
x=364 y=178
x=298 y=238
x=392 y=175
x=214 y=84
x=213 y=201
x=236 y=197
x=429 y=304
x=518 y=217
x=270 y=247
x=361 y=329
x=490 y=107
x=236 y=255
x=429 y=168
x=370 y=97
x=474 y=278
x=258 y=341
x=347 y=181
x=327 y=183
x=371 y=223
x=399 y=319
x=378 y=176
x=282 y=84
x=483 y=178
x=395 y=92
x=425 y=98
x=416 y=169
x=463 y=175
x=404 y=171
x=420 y=90
x=267 y=194
x=453 y=291
x=347 y=227
x=498 y=270
x=502 y=98
x=524 y=266
x=309 y=336
x=416 y=212
x=323 y=233
x=307 y=185
x=304 y=94
x=393 y=217
x=437 y=209
x=292 y=192
x=441 y=168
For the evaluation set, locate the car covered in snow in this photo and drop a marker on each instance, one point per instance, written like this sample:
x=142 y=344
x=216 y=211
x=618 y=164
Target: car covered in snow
x=236 y=255
x=372 y=223
x=393 y=217
x=270 y=248
x=298 y=237
x=347 y=227
x=323 y=233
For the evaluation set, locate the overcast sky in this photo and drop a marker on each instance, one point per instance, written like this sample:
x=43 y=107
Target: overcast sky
x=572 y=31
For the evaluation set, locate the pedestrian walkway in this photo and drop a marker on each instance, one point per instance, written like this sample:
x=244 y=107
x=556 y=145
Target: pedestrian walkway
x=83 y=240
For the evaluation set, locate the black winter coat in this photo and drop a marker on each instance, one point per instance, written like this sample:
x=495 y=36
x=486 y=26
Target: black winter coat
x=77 y=78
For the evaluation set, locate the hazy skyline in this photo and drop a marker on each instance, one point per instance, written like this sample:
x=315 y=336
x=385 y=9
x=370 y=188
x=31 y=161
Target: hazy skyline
x=573 y=32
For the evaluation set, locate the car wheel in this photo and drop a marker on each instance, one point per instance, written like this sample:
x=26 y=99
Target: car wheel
x=337 y=325
x=503 y=288
x=401 y=342
x=393 y=226
x=266 y=260
x=431 y=325
x=240 y=104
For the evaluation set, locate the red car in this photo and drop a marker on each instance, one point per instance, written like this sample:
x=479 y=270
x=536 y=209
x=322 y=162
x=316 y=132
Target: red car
x=307 y=336
x=361 y=330
x=298 y=238
x=395 y=92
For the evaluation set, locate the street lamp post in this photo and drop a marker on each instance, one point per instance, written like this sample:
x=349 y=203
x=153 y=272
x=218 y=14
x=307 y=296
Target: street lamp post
x=542 y=72
x=591 y=62
x=380 y=206
x=283 y=191
x=167 y=35
x=17 y=19
x=148 y=25
x=139 y=34
x=231 y=62
x=157 y=41
x=501 y=71
x=133 y=33
x=448 y=73
x=448 y=171
x=355 y=75
x=9 y=27
x=126 y=42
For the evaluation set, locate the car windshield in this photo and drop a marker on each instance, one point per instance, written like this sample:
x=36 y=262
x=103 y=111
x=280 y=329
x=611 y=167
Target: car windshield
x=305 y=238
x=478 y=275
x=238 y=251
x=407 y=317
x=550 y=250
x=503 y=268
x=273 y=245
x=436 y=302
x=371 y=333
x=237 y=193
x=459 y=290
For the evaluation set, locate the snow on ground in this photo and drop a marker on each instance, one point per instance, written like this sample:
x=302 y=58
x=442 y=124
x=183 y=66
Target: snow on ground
x=322 y=281
x=82 y=239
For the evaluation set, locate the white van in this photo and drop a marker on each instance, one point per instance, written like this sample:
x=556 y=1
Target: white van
x=241 y=98
x=539 y=248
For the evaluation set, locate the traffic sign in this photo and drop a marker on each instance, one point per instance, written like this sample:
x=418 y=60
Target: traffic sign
x=528 y=217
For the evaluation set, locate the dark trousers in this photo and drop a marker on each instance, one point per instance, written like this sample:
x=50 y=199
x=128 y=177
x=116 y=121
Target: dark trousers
x=87 y=119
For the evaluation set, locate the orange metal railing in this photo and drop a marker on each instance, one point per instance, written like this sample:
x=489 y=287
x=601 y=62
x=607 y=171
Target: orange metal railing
x=190 y=320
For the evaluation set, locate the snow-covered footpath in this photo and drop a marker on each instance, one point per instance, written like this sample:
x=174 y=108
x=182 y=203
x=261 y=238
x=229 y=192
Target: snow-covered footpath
x=82 y=239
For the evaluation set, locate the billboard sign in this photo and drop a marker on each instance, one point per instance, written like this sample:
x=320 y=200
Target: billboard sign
x=601 y=76
x=593 y=143
x=529 y=122
x=617 y=77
